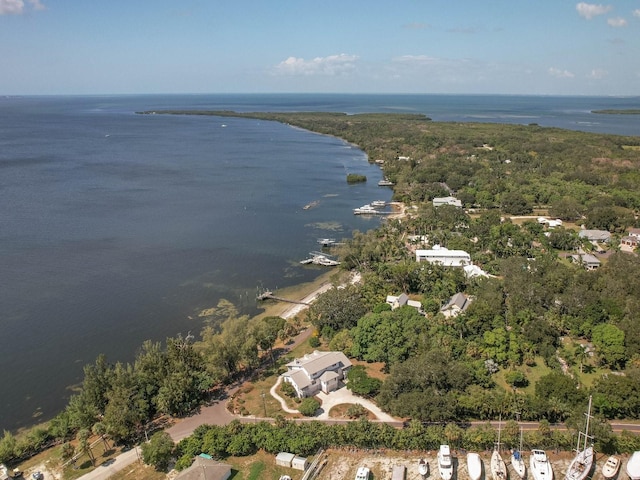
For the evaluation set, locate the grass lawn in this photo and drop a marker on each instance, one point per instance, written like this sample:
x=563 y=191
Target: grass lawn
x=533 y=374
x=261 y=466
x=139 y=471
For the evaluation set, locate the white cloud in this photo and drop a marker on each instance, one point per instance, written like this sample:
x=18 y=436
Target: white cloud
x=636 y=12
x=597 y=74
x=17 y=7
x=332 y=65
x=617 y=22
x=590 y=10
x=416 y=26
x=11 y=7
x=556 y=72
x=37 y=5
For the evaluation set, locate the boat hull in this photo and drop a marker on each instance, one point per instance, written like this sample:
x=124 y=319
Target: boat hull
x=445 y=465
x=611 y=467
x=498 y=467
x=633 y=466
x=518 y=464
x=580 y=466
x=474 y=466
x=423 y=467
x=539 y=466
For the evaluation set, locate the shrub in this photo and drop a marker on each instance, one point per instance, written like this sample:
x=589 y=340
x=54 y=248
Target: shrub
x=355 y=178
x=308 y=407
x=314 y=342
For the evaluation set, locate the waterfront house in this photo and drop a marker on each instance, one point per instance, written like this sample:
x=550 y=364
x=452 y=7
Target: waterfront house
x=444 y=256
x=317 y=371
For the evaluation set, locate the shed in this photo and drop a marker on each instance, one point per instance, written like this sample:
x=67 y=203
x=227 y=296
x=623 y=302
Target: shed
x=299 y=463
x=399 y=472
x=284 y=459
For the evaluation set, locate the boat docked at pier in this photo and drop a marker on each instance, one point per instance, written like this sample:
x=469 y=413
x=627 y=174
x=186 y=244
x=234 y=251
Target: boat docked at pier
x=540 y=465
x=445 y=463
x=319 y=258
x=365 y=210
x=581 y=464
x=474 y=466
x=633 y=466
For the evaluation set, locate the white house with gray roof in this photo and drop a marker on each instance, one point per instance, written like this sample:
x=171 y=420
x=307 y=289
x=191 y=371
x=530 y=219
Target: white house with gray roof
x=317 y=371
x=456 y=305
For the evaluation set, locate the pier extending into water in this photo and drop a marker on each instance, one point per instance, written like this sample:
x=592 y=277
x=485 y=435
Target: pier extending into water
x=268 y=295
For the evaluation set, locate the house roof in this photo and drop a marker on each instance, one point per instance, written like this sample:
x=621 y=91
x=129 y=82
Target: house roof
x=594 y=234
x=328 y=376
x=205 y=469
x=459 y=300
x=317 y=361
x=635 y=232
x=300 y=379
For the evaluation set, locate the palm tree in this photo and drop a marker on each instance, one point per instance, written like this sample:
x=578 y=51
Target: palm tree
x=100 y=429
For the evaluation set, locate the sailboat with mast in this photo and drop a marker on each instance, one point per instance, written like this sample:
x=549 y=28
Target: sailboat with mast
x=498 y=467
x=517 y=460
x=581 y=464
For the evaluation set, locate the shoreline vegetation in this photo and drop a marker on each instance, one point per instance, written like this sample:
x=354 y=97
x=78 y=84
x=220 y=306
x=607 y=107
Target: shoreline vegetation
x=541 y=332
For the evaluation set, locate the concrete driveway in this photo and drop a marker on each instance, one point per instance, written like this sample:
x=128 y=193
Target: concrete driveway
x=344 y=395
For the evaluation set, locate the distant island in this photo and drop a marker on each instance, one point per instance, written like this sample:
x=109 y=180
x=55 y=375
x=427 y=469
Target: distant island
x=611 y=111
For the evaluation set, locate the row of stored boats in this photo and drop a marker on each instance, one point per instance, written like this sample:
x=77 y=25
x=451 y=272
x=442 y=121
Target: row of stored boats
x=539 y=466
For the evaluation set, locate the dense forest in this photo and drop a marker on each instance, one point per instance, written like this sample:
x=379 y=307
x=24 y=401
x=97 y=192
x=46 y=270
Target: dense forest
x=541 y=333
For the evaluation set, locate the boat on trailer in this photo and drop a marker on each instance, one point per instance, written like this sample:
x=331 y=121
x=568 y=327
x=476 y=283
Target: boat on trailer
x=540 y=465
x=423 y=467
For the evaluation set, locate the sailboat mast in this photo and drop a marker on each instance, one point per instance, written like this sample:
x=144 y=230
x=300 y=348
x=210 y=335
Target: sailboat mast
x=586 y=430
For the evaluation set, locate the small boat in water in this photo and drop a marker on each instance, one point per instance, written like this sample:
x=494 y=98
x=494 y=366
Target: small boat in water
x=581 y=464
x=540 y=466
x=378 y=204
x=633 y=466
x=423 y=467
x=385 y=183
x=445 y=464
x=611 y=467
x=474 y=466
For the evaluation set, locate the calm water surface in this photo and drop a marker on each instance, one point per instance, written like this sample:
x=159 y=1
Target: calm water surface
x=116 y=227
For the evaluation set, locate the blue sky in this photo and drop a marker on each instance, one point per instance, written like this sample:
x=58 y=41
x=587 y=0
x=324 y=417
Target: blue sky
x=541 y=47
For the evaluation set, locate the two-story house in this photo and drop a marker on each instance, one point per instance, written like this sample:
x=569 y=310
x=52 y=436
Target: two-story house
x=317 y=371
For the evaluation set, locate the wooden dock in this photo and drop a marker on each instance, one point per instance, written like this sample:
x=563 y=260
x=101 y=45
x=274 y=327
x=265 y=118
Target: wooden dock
x=270 y=296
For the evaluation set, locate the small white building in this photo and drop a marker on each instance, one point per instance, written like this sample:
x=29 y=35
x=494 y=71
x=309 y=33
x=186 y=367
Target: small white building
x=284 y=459
x=299 y=463
x=439 y=201
x=444 y=256
x=317 y=371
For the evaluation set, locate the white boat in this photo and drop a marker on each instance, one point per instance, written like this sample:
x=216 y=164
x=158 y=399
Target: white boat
x=365 y=210
x=362 y=473
x=385 y=183
x=611 y=467
x=318 y=258
x=378 y=204
x=517 y=460
x=445 y=464
x=540 y=465
x=633 y=466
x=474 y=466
x=581 y=464
x=423 y=467
x=285 y=477
x=498 y=467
